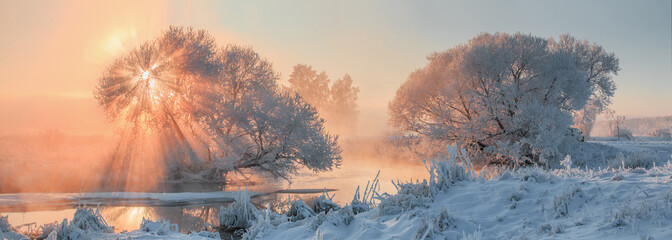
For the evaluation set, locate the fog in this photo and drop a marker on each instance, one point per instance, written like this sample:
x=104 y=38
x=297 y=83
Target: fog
x=55 y=138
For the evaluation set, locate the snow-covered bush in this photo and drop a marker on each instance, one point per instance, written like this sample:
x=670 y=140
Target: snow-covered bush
x=532 y=173
x=562 y=201
x=449 y=169
x=576 y=134
x=299 y=211
x=4 y=224
x=241 y=214
x=158 y=227
x=362 y=203
x=84 y=223
x=444 y=225
x=405 y=199
x=266 y=221
x=437 y=224
x=634 y=160
x=346 y=215
x=8 y=232
x=658 y=210
x=47 y=229
x=324 y=203
x=420 y=189
x=444 y=171
x=477 y=235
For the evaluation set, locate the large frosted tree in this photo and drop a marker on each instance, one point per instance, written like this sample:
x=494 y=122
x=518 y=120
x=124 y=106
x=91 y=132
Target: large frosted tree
x=509 y=99
x=209 y=111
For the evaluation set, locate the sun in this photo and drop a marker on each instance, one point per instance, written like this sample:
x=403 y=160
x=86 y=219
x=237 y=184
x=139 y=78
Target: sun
x=152 y=89
x=145 y=75
x=151 y=82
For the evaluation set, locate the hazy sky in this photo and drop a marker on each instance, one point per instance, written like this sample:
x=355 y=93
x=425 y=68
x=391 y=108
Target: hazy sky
x=51 y=53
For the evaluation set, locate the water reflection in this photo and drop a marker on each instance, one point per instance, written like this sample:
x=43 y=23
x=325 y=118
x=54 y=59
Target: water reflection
x=199 y=216
x=189 y=218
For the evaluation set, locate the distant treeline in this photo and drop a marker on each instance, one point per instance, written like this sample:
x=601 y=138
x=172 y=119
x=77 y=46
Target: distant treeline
x=638 y=126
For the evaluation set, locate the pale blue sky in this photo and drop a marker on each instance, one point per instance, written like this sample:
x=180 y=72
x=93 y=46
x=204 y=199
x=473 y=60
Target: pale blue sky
x=377 y=42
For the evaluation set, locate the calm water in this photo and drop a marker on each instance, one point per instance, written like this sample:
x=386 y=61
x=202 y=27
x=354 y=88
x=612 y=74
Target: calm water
x=197 y=216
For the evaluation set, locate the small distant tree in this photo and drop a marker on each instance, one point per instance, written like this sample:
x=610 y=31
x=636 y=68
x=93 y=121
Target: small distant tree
x=508 y=99
x=212 y=110
x=618 y=130
x=336 y=103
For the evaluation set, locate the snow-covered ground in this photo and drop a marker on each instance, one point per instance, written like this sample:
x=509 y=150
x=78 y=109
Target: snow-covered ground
x=529 y=204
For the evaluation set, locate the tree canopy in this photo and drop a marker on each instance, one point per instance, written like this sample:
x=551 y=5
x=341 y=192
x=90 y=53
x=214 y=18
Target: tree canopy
x=212 y=110
x=336 y=102
x=508 y=98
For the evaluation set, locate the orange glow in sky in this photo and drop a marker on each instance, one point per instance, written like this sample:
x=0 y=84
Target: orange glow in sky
x=52 y=53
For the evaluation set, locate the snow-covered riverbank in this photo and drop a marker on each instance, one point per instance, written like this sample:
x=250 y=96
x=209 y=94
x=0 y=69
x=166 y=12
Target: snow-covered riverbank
x=629 y=200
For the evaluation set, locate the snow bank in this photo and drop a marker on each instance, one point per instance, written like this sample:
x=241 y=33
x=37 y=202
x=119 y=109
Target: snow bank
x=526 y=203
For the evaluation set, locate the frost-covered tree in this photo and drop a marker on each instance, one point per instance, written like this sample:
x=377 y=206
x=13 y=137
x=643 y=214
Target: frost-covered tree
x=599 y=67
x=505 y=98
x=337 y=102
x=212 y=110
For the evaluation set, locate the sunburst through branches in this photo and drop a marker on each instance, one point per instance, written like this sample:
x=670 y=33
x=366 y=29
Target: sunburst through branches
x=148 y=93
x=186 y=109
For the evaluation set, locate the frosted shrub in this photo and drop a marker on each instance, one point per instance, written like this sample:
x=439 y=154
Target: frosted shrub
x=47 y=229
x=83 y=224
x=409 y=196
x=420 y=189
x=240 y=214
x=439 y=223
x=444 y=171
x=534 y=174
x=658 y=210
x=7 y=231
x=346 y=214
x=449 y=169
x=266 y=221
x=4 y=224
x=159 y=227
x=299 y=211
x=362 y=203
x=332 y=220
x=477 y=235
x=88 y=220
x=561 y=202
x=633 y=160
x=324 y=203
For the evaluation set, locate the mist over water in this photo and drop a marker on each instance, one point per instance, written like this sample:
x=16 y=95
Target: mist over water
x=68 y=163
